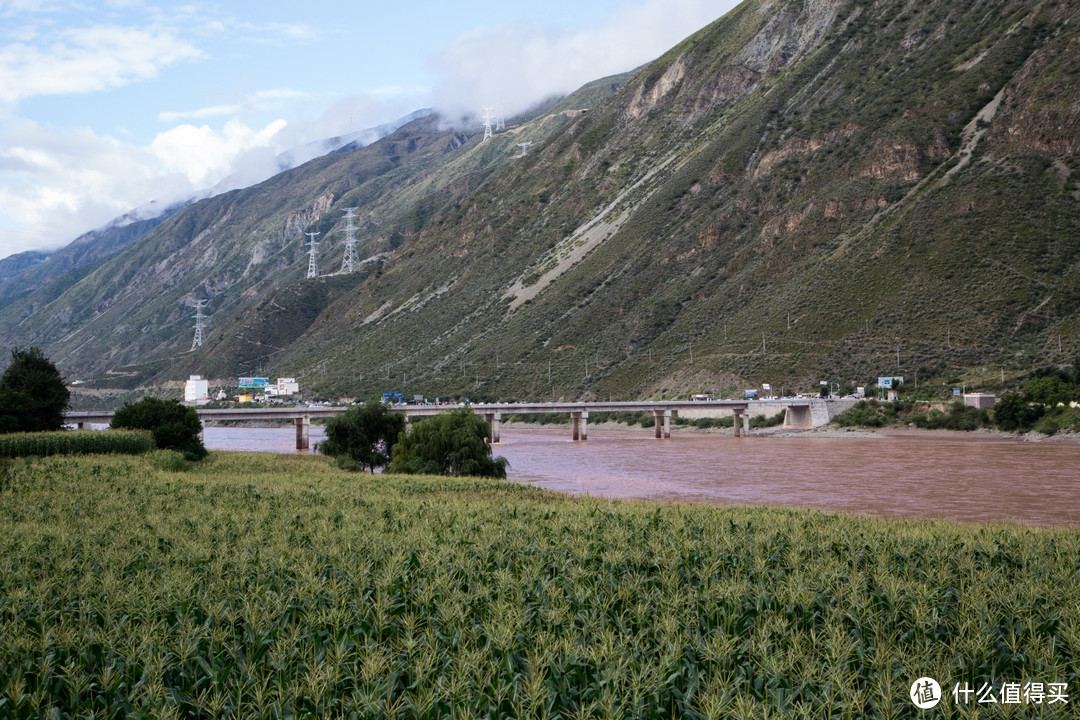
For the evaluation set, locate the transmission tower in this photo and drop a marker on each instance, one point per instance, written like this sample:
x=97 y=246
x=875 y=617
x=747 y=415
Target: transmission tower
x=351 y=259
x=199 y=324
x=523 y=147
x=488 y=110
x=501 y=124
x=313 y=264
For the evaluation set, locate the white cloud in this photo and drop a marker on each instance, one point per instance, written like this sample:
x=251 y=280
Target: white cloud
x=515 y=66
x=262 y=101
x=87 y=60
x=57 y=183
x=205 y=155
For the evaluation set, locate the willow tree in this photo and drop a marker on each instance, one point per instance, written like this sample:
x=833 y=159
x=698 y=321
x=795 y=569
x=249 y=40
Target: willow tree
x=451 y=443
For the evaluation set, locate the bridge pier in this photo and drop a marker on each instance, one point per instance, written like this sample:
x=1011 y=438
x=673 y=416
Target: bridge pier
x=738 y=415
x=492 y=420
x=303 y=423
x=579 y=422
x=798 y=416
x=662 y=423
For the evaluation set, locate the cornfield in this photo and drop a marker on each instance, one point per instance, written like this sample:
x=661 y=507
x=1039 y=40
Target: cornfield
x=76 y=442
x=256 y=586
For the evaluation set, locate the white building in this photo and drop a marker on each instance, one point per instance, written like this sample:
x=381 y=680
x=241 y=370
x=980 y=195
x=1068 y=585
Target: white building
x=285 y=387
x=197 y=390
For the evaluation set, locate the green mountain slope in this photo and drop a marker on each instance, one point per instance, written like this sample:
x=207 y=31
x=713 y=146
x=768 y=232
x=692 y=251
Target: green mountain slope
x=801 y=191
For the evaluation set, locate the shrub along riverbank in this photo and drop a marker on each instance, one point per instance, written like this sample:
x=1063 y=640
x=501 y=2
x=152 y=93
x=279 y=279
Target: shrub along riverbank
x=266 y=585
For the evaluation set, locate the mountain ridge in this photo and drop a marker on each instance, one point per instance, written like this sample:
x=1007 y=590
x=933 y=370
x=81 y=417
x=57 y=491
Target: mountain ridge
x=800 y=191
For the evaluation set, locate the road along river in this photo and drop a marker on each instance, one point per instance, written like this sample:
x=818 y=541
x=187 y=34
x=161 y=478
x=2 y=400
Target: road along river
x=967 y=477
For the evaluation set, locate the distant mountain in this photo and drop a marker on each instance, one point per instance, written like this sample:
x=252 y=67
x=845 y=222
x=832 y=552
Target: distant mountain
x=12 y=265
x=117 y=234
x=800 y=192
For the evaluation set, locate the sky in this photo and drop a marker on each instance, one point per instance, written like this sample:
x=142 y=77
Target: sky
x=110 y=106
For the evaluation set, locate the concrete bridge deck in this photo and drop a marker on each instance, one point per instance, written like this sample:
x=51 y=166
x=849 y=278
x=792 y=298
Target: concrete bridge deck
x=798 y=413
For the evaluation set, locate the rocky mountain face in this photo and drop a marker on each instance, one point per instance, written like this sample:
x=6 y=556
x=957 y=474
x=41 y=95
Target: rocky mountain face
x=802 y=191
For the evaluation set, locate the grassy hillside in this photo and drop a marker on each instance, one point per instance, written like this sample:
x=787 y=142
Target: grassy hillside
x=786 y=196
x=273 y=586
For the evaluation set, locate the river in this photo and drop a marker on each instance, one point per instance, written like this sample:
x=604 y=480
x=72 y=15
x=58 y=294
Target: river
x=966 y=477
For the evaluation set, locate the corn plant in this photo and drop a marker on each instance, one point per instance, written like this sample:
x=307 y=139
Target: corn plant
x=270 y=586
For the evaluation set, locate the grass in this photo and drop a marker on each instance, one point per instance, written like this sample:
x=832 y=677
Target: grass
x=276 y=586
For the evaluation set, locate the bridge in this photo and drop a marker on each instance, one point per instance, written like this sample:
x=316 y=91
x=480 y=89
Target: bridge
x=798 y=414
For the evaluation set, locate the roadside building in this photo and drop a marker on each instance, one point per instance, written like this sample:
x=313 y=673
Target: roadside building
x=197 y=390
x=980 y=401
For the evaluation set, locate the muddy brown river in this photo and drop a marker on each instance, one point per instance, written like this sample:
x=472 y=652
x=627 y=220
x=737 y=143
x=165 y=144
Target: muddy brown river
x=972 y=478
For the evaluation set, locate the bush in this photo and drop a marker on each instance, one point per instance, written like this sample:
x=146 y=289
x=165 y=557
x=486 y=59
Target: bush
x=1013 y=412
x=169 y=460
x=869 y=413
x=33 y=397
x=75 y=442
x=365 y=435
x=1057 y=420
x=959 y=417
x=1048 y=391
x=174 y=426
x=451 y=443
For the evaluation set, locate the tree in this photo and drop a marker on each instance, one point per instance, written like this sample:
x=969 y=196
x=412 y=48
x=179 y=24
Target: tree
x=366 y=433
x=33 y=397
x=1047 y=391
x=174 y=426
x=451 y=443
x=1013 y=412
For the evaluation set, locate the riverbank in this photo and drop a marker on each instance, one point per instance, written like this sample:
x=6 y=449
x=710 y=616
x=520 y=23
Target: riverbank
x=280 y=585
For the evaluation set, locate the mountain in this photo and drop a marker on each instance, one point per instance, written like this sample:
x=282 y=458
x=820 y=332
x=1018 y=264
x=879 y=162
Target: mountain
x=12 y=265
x=824 y=190
x=126 y=229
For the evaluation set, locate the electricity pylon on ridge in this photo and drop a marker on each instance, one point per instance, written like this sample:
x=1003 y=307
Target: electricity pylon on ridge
x=199 y=324
x=488 y=110
x=313 y=264
x=351 y=259
x=524 y=147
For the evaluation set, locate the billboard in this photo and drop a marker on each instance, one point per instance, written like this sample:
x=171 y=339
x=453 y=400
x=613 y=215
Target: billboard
x=893 y=383
x=254 y=382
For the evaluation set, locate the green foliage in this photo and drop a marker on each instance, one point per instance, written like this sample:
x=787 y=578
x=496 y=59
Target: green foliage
x=272 y=586
x=366 y=434
x=869 y=413
x=1013 y=412
x=450 y=443
x=33 y=397
x=169 y=460
x=1058 y=419
x=762 y=421
x=959 y=417
x=75 y=442
x=174 y=426
x=1048 y=391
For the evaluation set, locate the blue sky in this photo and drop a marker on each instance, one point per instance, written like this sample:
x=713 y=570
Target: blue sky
x=107 y=106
